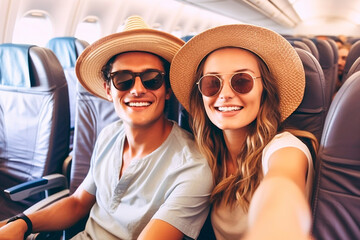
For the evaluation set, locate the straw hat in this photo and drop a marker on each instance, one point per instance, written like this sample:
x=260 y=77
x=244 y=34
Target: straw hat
x=280 y=57
x=137 y=36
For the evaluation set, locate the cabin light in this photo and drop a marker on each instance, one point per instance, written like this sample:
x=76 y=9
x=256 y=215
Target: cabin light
x=156 y=25
x=36 y=14
x=91 y=19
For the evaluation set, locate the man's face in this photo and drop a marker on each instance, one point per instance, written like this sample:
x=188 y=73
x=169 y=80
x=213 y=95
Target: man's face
x=343 y=53
x=138 y=107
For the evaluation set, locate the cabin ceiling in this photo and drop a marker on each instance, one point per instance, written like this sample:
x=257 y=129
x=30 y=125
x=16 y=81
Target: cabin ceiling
x=296 y=17
x=309 y=13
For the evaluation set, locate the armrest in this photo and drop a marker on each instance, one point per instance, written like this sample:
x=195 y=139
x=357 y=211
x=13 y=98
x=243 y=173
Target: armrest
x=47 y=201
x=66 y=167
x=24 y=190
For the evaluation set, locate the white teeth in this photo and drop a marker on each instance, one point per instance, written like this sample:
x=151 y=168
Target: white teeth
x=228 y=109
x=138 y=104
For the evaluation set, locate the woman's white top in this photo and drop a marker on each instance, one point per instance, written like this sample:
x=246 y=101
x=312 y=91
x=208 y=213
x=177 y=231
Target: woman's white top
x=231 y=223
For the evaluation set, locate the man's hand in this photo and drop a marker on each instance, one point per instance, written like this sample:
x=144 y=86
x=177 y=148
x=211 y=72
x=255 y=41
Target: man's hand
x=13 y=231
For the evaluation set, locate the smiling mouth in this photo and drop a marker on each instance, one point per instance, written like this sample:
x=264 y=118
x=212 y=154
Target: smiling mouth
x=229 y=109
x=138 y=104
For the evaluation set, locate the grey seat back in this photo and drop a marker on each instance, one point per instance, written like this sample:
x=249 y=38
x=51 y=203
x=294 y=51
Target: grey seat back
x=311 y=113
x=300 y=44
x=92 y=115
x=34 y=119
x=355 y=67
x=335 y=63
x=67 y=50
x=327 y=63
x=312 y=46
x=354 y=53
x=336 y=196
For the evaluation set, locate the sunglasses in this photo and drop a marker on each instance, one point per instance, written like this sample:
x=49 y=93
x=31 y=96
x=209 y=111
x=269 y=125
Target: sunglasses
x=211 y=84
x=124 y=80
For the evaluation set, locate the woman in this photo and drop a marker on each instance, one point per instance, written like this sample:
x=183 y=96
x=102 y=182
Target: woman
x=239 y=83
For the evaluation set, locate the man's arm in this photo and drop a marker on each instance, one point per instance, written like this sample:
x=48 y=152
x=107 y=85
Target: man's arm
x=2 y=223
x=160 y=230
x=57 y=216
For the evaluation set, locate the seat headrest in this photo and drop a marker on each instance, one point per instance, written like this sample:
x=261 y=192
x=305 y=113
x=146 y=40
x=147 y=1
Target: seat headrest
x=354 y=53
x=14 y=65
x=355 y=67
x=310 y=115
x=326 y=54
x=65 y=50
x=300 y=44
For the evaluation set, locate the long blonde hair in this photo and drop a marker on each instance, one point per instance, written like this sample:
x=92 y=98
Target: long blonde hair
x=239 y=188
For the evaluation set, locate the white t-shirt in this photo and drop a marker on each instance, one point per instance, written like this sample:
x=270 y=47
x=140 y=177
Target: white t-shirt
x=173 y=183
x=231 y=223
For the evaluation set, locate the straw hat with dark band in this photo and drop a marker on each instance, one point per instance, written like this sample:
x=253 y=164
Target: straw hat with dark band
x=280 y=57
x=137 y=36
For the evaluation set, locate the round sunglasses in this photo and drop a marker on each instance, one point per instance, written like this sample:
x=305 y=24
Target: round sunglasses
x=211 y=84
x=152 y=79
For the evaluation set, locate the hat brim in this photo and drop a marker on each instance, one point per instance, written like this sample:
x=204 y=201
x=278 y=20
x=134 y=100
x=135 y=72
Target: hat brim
x=277 y=53
x=95 y=56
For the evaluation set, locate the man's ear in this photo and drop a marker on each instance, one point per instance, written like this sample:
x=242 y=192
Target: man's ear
x=168 y=93
x=108 y=92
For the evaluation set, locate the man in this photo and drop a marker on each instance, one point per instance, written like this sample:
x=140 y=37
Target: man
x=343 y=53
x=146 y=180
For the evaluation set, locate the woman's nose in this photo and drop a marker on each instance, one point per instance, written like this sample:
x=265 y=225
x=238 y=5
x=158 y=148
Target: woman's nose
x=226 y=91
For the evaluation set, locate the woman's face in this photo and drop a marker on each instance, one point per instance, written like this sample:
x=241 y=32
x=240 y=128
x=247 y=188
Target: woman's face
x=228 y=109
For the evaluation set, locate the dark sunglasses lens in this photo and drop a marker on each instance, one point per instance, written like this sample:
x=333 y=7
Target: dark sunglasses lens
x=209 y=85
x=123 y=81
x=152 y=80
x=242 y=82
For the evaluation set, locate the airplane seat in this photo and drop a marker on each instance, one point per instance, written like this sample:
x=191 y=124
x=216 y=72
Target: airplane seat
x=308 y=42
x=351 y=40
x=67 y=50
x=34 y=120
x=92 y=115
x=182 y=115
x=309 y=116
x=355 y=67
x=335 y=65
x=187 y=37
x=300 y=44
x=311 y=113
x=326 y=60
x=336 y=195
x=354 y=53
x=312 y=47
